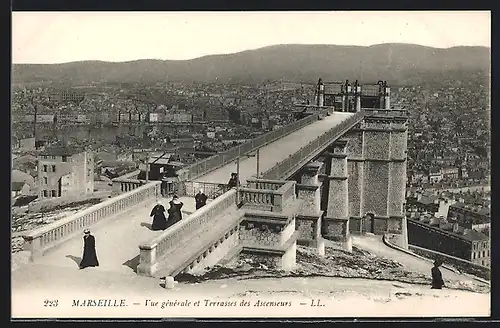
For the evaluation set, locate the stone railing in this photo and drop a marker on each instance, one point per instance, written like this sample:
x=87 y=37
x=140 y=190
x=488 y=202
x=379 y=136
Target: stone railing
x=386 y=112
x=286 y=167
x=157 y=249
x=39 y=240
x=265 y=183
x=268 y=199
x=211 y=163
x=127 y=182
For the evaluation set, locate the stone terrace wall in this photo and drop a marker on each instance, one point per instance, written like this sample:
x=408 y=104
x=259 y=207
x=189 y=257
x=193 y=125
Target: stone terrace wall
x=461 y=265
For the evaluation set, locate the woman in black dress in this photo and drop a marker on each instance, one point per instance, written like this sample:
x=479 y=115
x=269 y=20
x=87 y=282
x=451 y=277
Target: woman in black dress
x=159 y=219
x=89 y=258
x=174 y=212
x=437 y=278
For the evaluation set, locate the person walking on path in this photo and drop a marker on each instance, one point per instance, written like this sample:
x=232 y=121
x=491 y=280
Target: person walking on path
x=200 y=199
x=89 y=258
x=159 y=219
x=174 y=212
x=437 y=278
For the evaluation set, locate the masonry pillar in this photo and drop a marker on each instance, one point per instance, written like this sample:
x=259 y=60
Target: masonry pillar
x=384 y=185
x=358 y=97
x=308 y=221
x=387 y=96
x=336 y=221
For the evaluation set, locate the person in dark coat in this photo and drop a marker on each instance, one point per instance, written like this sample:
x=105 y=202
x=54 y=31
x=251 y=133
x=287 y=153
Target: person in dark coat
x=200 y=199
x=159 y=219
x=233 y=181
x=437 y=278
x=174 y=212
x=89 y=258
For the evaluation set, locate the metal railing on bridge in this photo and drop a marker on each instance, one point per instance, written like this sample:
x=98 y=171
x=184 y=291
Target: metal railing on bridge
x=214 y=162
x=291 y=164
x=211 y=190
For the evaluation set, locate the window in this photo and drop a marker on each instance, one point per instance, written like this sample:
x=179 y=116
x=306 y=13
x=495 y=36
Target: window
x=53 y=168
x=484 y=253
x=54 y=193
x=45 y=193
x=65 y=159
x=45 y=168
x=45 y=180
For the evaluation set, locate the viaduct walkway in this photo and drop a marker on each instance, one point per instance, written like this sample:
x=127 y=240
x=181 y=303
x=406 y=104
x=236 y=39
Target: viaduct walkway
x=122 y=223
x=126 y=245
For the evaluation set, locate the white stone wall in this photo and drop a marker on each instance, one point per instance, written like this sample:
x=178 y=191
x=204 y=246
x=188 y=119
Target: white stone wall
x=287 y=232
x=216 y=255
x=397 y=188
x=288 y=260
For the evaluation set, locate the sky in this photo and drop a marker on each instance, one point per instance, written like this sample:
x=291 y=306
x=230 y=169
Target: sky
x=59 y=37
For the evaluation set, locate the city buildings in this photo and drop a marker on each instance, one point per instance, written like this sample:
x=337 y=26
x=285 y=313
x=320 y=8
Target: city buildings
x=65 y=171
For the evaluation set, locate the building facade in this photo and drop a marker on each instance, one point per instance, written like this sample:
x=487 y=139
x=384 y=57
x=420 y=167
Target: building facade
x=65 y=172
x=452 y=240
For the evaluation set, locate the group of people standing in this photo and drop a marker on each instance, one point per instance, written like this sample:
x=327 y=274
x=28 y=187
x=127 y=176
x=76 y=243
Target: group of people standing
x=160 y=221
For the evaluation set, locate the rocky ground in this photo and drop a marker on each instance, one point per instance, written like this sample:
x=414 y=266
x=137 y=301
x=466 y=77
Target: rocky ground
x=336 y=263
x=25 y=221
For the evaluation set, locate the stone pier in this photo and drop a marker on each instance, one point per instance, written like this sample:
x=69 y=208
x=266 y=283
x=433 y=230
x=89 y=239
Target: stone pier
x=267 y=231
x=336 y=221
x=308 y=220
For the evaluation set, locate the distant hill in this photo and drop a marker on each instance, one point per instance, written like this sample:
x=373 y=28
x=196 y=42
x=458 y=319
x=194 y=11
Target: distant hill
x=397 y=63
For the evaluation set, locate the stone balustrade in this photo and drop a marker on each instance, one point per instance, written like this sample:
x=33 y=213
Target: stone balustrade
x=154 y=251
x=40 y=240
x=265 y=183
x=268 y=199
x=386 y=112
x=127 y=182
x=122 y=186
x=261 y=198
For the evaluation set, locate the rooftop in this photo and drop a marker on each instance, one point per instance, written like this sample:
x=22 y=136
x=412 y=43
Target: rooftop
x=17 y=186
x=474 y=235
x=60 y=150
x=480 y=211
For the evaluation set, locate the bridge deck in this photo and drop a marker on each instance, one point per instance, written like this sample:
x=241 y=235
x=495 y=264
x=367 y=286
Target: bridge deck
x=117 y=240
x=275 y=152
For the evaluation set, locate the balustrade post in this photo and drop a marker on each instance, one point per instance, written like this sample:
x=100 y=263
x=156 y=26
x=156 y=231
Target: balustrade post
x=278 y=203
x=147 y=260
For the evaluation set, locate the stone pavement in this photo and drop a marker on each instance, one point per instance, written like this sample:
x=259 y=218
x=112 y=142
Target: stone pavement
x=117 y=240
x=342 y=297
x=374 y=244
x=275 y=152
